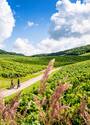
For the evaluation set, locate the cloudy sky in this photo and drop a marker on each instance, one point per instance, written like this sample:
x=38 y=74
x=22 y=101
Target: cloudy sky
x=43 y=26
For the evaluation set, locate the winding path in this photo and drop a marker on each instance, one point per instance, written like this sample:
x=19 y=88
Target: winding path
x=23 y=85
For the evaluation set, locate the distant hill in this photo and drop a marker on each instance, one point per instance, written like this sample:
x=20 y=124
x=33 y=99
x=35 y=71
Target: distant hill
x=10 y=53
x=75 y=51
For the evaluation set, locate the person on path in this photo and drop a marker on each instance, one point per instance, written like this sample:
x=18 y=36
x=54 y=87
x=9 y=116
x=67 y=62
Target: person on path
x=12 y=84
x=18 y=83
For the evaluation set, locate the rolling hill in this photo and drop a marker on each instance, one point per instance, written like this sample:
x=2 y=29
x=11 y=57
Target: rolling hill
x=10 y=53
x=75 y=51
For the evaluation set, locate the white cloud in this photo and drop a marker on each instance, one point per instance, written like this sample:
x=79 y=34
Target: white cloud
x=70 y=27
x=24 y=46
x=31 y=24
x=71 y=20
x=7 y=21
x=87 y=1
x=51 y=45
x=47 y=45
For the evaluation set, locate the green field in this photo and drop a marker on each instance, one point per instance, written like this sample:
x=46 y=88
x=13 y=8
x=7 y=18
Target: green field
x=16 y=66
x=74 y=70
x=78 y=75
x=13 y=67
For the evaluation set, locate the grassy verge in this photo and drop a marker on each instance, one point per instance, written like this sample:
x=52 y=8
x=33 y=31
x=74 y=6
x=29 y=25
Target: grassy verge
x=5 y=83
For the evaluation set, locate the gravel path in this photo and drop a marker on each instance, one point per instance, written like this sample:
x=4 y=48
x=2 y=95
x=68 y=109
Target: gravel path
x=23 y=85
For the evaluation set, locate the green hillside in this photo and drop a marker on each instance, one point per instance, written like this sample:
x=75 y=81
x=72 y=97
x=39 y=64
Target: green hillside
x=10 y=53
x=19 y=66
x=74 y=51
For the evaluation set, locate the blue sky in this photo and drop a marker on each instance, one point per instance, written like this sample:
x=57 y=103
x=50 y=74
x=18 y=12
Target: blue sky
x=39 y=26
x=37 y=11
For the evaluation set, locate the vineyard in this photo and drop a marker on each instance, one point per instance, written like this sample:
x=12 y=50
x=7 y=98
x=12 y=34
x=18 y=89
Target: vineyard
x=19 y=66
x=12 y=69
x=62 y=98
x=78 y=77
x=13 y=66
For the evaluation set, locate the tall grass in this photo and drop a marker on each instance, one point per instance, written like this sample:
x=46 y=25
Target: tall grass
x=8 y=111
